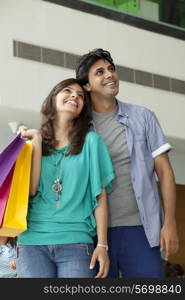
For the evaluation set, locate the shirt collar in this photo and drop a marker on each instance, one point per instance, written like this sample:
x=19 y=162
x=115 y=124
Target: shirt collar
x=121 y=109
x=122 y=115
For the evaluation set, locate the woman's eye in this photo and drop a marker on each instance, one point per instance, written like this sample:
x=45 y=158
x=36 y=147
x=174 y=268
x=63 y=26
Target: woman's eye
x=66 y=90
x=81 y=96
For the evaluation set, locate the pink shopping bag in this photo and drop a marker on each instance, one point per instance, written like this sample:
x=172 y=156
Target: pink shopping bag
x=4 y=193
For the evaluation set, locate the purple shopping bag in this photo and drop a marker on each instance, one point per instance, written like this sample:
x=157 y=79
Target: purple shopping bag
x=9 y=155
x=4 y=193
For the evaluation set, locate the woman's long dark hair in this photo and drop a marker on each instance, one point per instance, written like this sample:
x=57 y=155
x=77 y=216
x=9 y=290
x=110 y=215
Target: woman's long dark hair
x=12 y=241
x=80 y=124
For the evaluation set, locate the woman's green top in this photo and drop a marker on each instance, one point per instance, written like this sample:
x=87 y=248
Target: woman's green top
x=83 y=176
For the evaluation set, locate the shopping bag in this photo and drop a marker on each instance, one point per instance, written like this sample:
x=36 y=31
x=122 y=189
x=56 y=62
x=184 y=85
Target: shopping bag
x=4 y=193
x=9 y=155
x=14 y=221
x=7 y=162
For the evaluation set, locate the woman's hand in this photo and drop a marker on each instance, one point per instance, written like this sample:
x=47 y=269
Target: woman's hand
x=29 y=133
x=100 y=254
x=12 y=265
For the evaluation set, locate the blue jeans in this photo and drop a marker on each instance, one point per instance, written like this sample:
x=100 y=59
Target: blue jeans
x=55 y=261
x=131 y=254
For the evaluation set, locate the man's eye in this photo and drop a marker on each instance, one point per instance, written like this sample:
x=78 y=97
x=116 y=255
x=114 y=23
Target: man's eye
x=99 y=72
x=112 y=69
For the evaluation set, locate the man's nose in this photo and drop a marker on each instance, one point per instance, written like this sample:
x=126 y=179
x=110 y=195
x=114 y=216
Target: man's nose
x=108 y=74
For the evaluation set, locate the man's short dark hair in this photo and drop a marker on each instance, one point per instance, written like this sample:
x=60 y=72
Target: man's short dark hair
x=87 y=60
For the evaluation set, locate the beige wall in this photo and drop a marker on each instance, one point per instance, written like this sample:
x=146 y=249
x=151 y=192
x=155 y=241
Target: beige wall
x=25 y=83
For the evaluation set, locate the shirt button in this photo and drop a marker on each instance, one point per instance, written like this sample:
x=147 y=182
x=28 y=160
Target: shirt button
x=138 y=198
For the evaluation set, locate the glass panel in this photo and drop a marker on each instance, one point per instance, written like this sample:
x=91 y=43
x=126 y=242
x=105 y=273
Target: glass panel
x=167 y=11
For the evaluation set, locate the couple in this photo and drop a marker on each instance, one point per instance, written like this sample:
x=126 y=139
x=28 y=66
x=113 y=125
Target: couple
x=72 y=175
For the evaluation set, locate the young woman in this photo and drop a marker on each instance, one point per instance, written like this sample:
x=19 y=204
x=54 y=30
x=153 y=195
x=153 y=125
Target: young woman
x=71 y=172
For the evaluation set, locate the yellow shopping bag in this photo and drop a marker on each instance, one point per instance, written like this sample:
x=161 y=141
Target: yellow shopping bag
x=14 y=221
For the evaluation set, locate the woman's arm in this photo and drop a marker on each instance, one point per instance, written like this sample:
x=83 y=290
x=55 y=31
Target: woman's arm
x=100 y=252
x=36 y=156
x=101 y=216
x=3 y=240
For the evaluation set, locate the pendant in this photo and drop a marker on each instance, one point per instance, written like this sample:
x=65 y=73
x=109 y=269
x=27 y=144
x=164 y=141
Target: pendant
x=57 y=186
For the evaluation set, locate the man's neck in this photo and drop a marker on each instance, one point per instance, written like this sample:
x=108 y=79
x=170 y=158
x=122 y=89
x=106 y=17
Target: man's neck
x=104 y=105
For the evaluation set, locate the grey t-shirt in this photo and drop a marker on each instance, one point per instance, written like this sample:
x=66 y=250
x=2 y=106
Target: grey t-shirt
x=123 y=210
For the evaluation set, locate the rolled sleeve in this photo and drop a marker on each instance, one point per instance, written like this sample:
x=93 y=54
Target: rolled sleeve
x=164 y=148
x=155 y=136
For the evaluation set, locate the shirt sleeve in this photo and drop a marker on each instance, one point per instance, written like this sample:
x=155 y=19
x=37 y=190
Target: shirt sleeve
x=101 y=169
x=155 y=136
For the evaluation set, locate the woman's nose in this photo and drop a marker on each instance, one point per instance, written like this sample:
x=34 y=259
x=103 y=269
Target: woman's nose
x=74 y=95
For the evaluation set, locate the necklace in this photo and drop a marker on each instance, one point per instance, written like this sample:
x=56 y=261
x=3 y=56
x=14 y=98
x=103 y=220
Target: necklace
x=57 y=186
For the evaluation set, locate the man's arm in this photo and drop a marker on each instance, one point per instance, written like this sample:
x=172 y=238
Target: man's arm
x=168 y=235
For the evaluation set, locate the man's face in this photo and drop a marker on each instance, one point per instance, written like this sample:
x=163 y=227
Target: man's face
x=103 y=80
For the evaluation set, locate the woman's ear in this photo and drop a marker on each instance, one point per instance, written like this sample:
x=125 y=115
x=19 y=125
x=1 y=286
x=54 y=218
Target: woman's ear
x=87 y=87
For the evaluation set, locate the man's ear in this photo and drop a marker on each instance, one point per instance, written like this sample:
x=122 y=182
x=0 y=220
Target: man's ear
x=87 y=87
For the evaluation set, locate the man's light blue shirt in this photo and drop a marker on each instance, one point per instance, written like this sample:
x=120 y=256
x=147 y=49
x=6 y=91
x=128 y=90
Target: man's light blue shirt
x=146 y=141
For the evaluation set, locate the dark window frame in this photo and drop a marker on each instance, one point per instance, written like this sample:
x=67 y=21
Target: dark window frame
x=106 y=12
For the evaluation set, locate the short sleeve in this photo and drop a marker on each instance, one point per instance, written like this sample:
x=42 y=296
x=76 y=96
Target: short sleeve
x=101 y=169
x=155 y=136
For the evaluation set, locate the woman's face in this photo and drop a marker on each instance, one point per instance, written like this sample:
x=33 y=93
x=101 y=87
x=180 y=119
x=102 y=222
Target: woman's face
x=71 y=100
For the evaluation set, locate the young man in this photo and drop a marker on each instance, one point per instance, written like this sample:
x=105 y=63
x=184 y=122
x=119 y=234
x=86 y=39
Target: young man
x=138 y=149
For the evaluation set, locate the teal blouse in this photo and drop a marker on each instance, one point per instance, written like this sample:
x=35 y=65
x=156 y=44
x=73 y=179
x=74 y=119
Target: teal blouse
x=83 y=176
